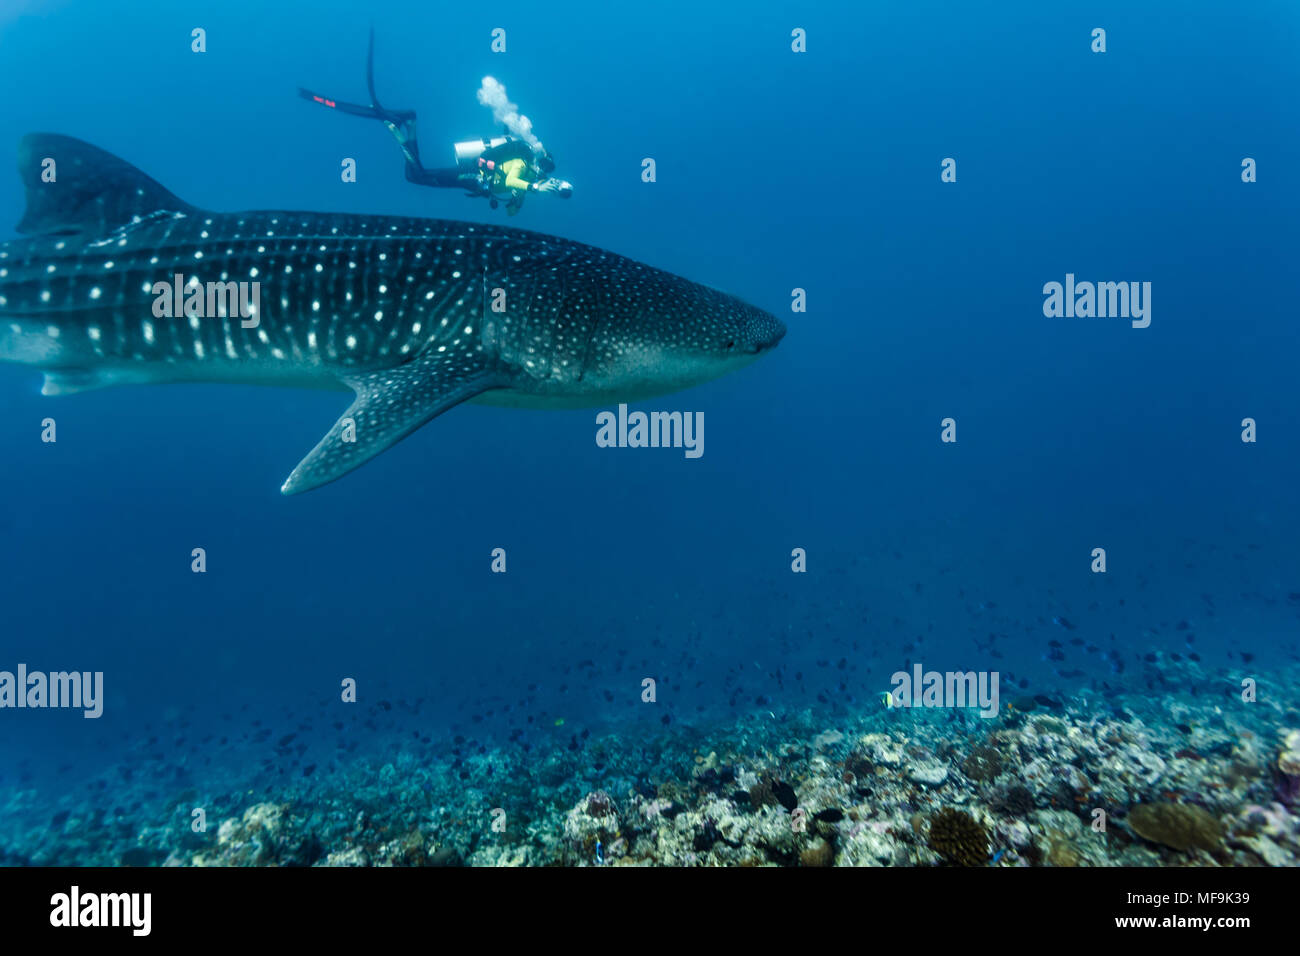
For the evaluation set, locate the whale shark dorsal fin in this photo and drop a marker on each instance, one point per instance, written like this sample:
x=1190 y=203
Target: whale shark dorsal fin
x=91 y=192
x=391 y=404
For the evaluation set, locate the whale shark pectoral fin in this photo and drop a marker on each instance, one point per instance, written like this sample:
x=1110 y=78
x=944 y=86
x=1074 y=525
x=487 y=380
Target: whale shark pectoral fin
x=390 y=404
x=72 y=381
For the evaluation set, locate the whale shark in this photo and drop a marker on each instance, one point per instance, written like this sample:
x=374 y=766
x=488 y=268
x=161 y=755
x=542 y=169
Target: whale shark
x=114 y=281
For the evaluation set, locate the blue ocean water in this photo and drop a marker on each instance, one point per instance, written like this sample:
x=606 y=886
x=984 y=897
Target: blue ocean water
x=776 y=171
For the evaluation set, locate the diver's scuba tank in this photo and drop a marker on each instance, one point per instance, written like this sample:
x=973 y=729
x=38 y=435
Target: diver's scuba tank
x=469 y=152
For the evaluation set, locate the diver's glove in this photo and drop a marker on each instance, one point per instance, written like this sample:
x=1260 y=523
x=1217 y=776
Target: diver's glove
x=553 y=186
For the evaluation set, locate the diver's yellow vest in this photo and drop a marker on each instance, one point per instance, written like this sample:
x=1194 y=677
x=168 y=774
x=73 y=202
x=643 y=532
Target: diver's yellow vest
x=509 y=176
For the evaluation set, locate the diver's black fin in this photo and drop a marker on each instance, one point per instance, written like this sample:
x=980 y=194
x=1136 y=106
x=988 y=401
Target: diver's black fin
x=355 y=109
x=375 y=110
x=89 y=190
x=370 y=70
x=391 y=116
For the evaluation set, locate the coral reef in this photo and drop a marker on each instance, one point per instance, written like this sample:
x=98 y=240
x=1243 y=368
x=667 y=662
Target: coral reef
x=982 y=764
x=956 y=837
x=1178 y=825
x=1079 y=781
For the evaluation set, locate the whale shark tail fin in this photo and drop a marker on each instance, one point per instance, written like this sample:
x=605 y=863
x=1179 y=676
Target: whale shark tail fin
x=73 y=187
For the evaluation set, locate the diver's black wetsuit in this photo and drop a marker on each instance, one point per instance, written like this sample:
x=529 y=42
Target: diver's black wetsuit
x=401 y=123
x=453 y=176
x=403 y=129
x=443 y=177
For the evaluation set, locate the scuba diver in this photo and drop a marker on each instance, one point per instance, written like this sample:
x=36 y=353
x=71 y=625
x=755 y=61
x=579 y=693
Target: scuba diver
x=506 y=166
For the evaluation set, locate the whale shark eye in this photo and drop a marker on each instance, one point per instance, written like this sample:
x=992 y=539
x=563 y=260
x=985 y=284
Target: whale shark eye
x=731 y=343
